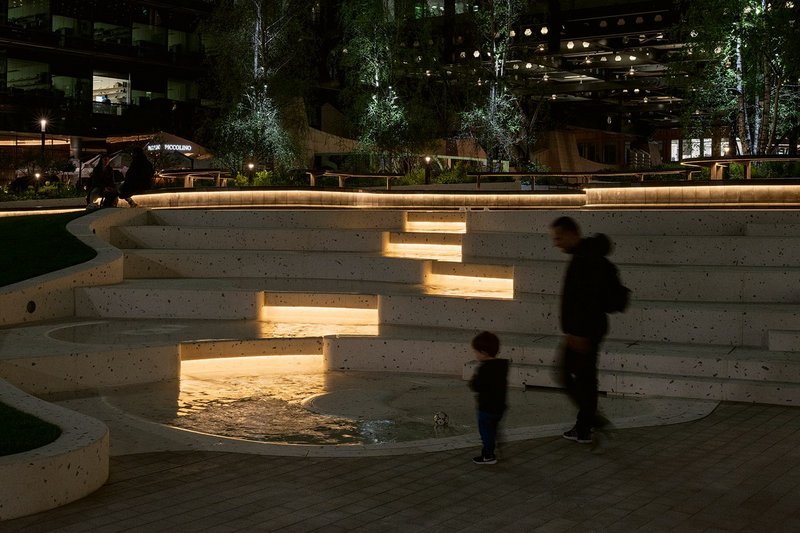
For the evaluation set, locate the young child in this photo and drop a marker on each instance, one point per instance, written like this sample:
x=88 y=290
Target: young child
x=490 y=383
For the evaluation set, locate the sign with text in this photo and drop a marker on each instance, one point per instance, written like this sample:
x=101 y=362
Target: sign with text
x=169 y=147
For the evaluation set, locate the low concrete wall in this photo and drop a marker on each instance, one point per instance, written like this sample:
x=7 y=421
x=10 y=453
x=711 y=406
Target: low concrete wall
x=52 y=295
x=61 y=472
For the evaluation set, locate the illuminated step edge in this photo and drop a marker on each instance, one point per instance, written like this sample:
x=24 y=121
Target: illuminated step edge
x=209 y=349
x=441 y=246
x=459 y=279
x=436 y=227
x=319 y=308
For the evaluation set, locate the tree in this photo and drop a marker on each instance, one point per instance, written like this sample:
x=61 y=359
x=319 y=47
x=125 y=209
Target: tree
x=744 y=54
x=496 y=124
x=371 y=39
x=262 y=56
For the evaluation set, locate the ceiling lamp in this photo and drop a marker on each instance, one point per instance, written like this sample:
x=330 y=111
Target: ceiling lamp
x=570 y=45
x=528 y=32
x=476 y=53
x=620 y=22
x=588 y=60
x=585 y=44
x=645 y=100
x=554 y=97
x=545 y=77
x=632 y=58
x=603 y=59
x=616 y=57
x=528 y=65
x=631 y=71
x=512 y=33
x=544 y=30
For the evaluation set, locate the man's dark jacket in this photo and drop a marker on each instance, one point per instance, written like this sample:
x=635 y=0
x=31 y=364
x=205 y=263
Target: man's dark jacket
x=490 y=382
x=585 y=283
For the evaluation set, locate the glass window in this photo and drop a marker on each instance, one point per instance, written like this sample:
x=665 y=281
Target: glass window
x=707 y=148
x=27 y=75
x=111 y=33
x=110 y=90
x=691 y=148
x=72 y=87
x=151 y=37
x=29 y=14
x=181 y=90
x=674 y=150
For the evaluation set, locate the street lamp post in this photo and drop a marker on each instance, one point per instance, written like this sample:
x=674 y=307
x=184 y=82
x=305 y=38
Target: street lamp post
x=250 y=175
x=427 y=169
x=36 y=182
x=43 y=123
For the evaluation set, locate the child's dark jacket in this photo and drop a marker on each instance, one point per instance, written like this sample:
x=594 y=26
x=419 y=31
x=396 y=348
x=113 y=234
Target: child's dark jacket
x=490 y=382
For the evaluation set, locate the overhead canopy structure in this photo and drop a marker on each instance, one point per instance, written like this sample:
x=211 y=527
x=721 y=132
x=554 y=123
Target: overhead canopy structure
x=165 y=142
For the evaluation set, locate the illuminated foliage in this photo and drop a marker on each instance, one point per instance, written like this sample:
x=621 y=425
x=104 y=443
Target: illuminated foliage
x=746 y=69
x=262 y=57
x=496 y=123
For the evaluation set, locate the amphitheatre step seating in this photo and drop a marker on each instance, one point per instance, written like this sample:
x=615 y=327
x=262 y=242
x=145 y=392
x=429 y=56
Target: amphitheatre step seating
x=665 y=369
x=715 y=293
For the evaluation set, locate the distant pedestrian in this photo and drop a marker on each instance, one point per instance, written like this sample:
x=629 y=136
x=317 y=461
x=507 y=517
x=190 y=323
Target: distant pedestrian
x=139 y=177
x=490 y=382
x=591 y=289
x=102 y=184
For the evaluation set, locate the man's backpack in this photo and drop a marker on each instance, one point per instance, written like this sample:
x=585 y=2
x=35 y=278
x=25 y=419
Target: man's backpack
x=616 y=295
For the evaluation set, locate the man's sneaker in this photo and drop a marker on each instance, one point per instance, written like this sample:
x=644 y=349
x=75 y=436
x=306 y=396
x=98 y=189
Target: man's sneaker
x=481 y=460
x=573 y=434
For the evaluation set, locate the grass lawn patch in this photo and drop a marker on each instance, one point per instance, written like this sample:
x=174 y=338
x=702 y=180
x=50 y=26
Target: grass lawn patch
x=37 y=244
x=22 y=432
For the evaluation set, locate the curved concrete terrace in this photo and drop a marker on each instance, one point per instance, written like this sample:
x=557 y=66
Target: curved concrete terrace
x=529 y=435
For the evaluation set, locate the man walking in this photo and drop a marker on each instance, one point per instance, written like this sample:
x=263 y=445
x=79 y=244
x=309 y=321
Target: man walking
x=583 y=321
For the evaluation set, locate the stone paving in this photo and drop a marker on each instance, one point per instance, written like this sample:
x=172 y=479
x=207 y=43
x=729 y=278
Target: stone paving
x=737 y=469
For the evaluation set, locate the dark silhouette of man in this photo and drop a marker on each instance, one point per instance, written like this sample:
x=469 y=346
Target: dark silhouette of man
x=583 y=322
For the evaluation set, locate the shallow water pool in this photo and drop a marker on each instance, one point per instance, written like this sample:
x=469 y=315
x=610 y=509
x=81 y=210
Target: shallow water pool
x=291 y=399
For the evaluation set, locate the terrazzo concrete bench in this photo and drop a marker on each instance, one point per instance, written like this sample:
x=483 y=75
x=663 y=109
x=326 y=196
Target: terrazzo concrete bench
x=67 y=469
x=649 y=369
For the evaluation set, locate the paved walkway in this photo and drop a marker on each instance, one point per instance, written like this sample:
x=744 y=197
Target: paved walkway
x=736 y=470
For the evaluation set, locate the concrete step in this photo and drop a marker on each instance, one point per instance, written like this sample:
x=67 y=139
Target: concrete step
x=271 y=264
x=360 y=219
x=784 y=340
x=445 y=239
x=684 y=283
x=436 y=221
x=418 y=305
x=651 y=369
x=236 y=238
x=726 y=324
x=772 y=230
x=646 y=250
x=667 y=222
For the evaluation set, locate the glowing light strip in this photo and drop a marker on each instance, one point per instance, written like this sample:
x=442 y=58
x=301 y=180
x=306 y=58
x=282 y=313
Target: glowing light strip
x=455 y=285
x=424 y=226
x=358 y=200
x=38 y=212
x=319 y=315
x=676 y=196
x=442 y=252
